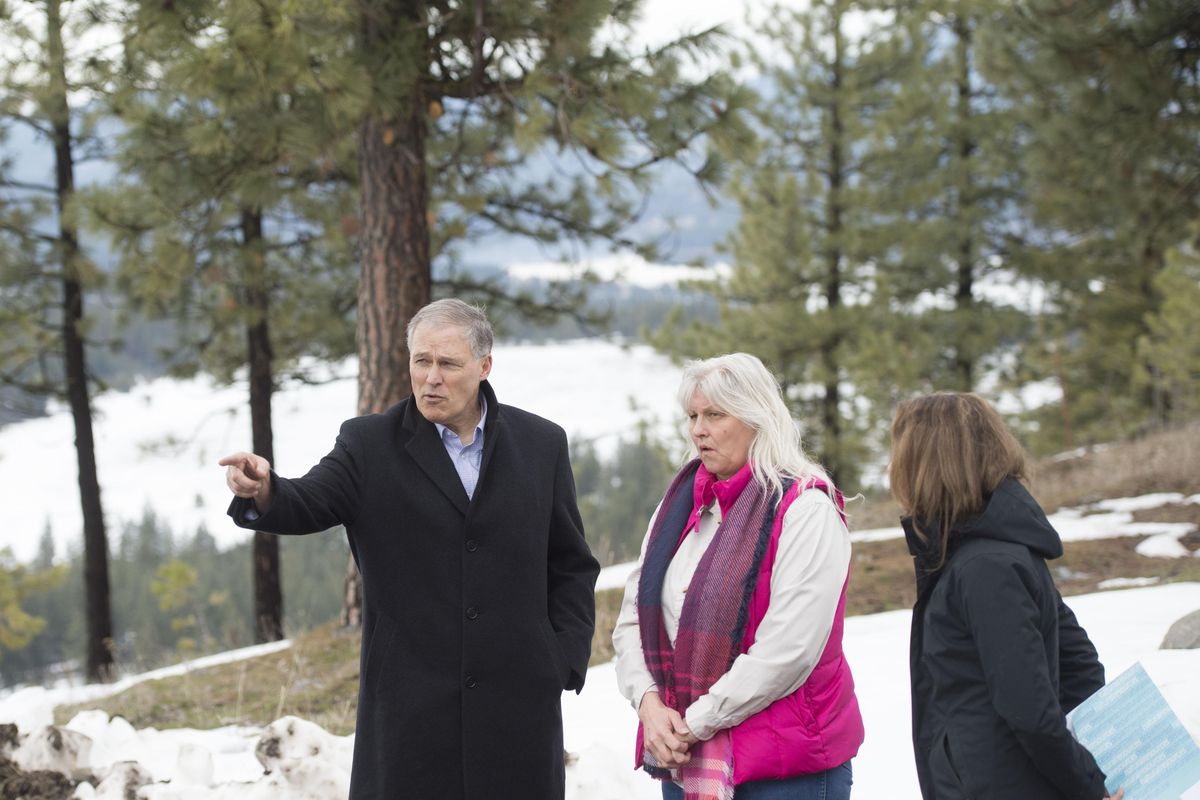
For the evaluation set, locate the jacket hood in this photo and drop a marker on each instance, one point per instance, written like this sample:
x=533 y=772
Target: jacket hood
x=1011 y=515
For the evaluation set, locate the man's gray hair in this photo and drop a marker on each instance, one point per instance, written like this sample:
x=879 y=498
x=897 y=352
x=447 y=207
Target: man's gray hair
x=455 y=312
x=741 y=386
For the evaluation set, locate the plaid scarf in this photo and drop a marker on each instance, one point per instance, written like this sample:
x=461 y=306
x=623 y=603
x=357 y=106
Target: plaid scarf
x=713 y=619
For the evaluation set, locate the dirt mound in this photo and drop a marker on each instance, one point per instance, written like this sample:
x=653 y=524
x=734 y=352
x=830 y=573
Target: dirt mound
x=17 y=784
x=39 y=785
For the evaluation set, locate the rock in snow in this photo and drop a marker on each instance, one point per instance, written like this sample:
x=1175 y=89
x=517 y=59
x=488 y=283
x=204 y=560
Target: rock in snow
x=1184 y=633
x=55 y=749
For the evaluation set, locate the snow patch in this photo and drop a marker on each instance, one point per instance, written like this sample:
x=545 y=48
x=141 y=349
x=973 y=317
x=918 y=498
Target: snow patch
x=1142 y=502
x=1126 y=583
x=1164 y=545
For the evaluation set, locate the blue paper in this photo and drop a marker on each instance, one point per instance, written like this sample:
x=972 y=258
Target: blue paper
x=1137 y=740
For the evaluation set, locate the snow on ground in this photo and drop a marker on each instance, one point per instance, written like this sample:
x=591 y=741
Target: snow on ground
x=626 y=268
x=614 y=577
x=157 y=445
x=1105 y=519
x=1126 y=626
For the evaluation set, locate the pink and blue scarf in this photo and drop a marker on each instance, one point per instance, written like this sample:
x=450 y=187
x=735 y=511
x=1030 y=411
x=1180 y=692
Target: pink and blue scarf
x=713 y=619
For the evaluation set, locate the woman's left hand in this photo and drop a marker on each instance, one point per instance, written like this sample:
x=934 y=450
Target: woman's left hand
x=665 y=731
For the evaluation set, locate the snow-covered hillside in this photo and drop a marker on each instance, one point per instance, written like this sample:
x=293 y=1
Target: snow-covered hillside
x=1126 y=626
x=157 y=445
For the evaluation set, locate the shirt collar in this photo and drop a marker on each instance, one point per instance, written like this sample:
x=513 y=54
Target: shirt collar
x=483 y=409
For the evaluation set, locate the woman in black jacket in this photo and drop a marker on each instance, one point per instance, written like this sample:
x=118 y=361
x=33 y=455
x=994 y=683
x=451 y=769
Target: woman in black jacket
x=996 y=658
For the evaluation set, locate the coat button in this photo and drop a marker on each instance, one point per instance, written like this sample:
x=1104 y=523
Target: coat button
x=471 y=682
x=472 y=545
x=472 y=613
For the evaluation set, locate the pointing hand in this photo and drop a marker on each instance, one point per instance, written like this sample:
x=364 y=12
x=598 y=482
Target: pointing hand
x=249 y=475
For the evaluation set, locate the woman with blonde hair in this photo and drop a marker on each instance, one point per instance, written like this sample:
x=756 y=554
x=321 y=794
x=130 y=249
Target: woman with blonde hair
x=996 y=658
x=729 y=641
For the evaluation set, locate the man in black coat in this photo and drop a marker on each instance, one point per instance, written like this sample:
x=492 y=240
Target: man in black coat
x=478 y=586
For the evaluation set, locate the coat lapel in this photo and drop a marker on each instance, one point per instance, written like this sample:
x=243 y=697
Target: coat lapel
x=427 y=449
x=491 y=435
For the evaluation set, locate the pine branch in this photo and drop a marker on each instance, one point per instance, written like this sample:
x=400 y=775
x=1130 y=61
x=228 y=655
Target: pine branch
x=545 y=310
x=32 y=122
x=470 y=89
x=26 y=186
x=566 y=222
x=43 y=389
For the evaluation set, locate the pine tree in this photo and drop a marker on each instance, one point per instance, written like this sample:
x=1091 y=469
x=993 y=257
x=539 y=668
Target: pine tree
x=802 y=266
x=948 y=151
x=45 y=349
x=514 y=116
x=1114 y=111
x=507 y=115
x=1169 y=353
x=233 y=216
x=17 y=583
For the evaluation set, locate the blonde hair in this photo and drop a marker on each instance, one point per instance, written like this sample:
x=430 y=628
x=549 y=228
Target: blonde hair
x=950 y=450
x=741 y=386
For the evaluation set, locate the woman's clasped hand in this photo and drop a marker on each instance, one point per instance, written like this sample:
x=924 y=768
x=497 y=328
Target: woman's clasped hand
x=666 y=734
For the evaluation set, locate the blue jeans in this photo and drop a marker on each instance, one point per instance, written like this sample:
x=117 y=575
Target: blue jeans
x=832 y=784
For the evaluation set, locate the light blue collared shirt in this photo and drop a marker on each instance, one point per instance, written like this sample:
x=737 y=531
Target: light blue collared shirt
x=467 y=460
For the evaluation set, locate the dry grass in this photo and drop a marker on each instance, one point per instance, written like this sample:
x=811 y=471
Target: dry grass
x=608 y=606
x=317 y=678
x=1167 y=461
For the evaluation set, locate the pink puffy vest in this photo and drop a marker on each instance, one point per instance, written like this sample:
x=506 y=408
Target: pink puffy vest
x=818 y=726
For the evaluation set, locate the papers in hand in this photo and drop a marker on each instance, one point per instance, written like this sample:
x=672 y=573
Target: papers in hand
x=1137 y=740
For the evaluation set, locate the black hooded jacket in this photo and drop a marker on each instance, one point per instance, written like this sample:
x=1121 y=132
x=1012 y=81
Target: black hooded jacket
x=996 y=660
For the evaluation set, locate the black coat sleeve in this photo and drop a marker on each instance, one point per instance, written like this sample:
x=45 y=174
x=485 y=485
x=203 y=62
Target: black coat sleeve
x=572 y=571
x=999 y=601
x=1080 y=672
x=328 y=495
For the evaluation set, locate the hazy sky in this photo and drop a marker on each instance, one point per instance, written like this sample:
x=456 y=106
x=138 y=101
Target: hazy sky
x=662 y=19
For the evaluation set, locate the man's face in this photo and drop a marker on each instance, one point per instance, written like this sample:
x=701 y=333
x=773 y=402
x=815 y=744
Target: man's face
x=446 y=376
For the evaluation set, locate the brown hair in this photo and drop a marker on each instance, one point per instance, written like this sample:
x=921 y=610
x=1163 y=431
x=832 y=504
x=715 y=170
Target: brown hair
x=950 y=450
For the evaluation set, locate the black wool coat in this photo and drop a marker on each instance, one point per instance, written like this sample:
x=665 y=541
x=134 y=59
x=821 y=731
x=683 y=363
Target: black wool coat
x=477 y=614
x=996 y=661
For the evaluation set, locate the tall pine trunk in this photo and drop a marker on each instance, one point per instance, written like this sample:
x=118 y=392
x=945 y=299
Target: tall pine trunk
x=95 y=540
x=395 y=278
x=268 y=584
x=966 y=336
x=831 y=343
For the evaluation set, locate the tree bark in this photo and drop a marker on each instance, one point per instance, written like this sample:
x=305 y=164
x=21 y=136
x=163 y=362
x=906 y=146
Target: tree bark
x=831 y=418
x=95 y=541
x=966 y=337
x=395 y=277
x=268 y=583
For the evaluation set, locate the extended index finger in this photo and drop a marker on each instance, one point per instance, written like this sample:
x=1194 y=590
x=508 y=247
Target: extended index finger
x=248 y=463
x=234 y=458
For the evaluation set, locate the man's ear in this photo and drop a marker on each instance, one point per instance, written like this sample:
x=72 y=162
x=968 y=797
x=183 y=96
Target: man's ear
x=485 y=367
